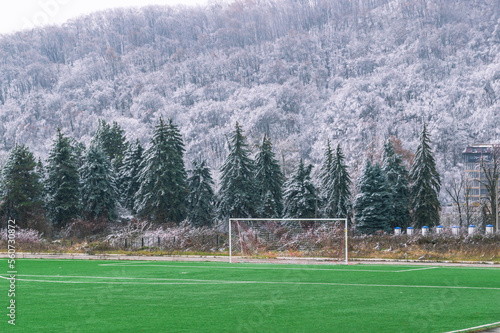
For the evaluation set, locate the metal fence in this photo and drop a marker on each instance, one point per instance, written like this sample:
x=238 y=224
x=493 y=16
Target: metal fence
x=194 y=243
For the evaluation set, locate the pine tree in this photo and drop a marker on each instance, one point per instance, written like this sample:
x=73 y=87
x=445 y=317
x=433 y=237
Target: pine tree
x=326 y=177
x=269 y=181
x=40 y=170
x=397 y=181
x=21 y=190
x=117 y=146
x=238 y=193
x=425 y=185
x=101 y=136
x=201 y=197
x=62 y=185
x=162 y=191
x=336 y=184
x=129 y=174
x=98 y=186
x=372 y=202
x=300 y=194
x=112 y=140
x=79 y=150
x=341 y=185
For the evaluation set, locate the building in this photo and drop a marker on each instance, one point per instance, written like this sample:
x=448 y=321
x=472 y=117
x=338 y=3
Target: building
x=475 y=157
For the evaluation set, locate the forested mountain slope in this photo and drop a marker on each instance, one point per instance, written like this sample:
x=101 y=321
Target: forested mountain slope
x=300 y=71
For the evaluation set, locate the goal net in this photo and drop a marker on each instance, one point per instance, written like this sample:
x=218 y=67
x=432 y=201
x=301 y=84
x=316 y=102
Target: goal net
x=288 y=238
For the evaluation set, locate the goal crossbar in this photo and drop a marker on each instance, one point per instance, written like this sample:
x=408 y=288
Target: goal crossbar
x=291 y=219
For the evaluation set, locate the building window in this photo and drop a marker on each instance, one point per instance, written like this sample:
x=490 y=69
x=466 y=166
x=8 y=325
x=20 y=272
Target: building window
x=471 y=166
x=474 y=175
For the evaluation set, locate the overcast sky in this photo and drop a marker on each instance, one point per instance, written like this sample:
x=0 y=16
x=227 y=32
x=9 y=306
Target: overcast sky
x=18 y=15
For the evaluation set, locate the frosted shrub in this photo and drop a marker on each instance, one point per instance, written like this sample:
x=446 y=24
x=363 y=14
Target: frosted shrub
x=132 y=231
x=25 y=236
x=174 y=238
x=83 y=229
x=187 y=238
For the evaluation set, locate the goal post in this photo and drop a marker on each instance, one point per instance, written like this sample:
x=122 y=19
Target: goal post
x=316 y=237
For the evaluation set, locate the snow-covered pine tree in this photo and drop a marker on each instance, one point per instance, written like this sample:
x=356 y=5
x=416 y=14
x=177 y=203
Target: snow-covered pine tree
x=21 y=190
x=101 y=136
x=63 y=182
x=79 y=150
x=117 y=146
x=372 y=204
x=129 y=174
x=425 y=184
x=112 y=140
x=177 y=173
x=342 y=185
x=336 y=184
x=269 y=181
x=201 y=197
x=300 y=194
x=162 y=180
x=397 y=182
x=98 y=187
x=40 y=169
x=326 y=174
x=238 y=193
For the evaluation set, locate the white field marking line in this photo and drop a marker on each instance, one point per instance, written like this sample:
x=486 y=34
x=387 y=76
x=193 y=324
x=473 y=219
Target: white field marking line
x=121 y=282
x=118 y=278
x=200 y=282
x=268 y=268
x=465 y=267
x=184 y=281
x=473 y=328
x=45 y=260
x=416 y=269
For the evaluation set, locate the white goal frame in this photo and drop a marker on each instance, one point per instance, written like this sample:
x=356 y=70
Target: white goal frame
x=231 y=220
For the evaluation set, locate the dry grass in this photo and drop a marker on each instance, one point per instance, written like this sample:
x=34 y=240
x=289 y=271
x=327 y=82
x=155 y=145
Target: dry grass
x=435 y=247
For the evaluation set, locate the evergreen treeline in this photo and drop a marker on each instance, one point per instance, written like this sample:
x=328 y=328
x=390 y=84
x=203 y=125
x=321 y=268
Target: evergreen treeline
x=113 y=175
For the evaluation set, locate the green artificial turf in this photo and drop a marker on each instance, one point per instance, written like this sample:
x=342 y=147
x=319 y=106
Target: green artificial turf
x=127 y=296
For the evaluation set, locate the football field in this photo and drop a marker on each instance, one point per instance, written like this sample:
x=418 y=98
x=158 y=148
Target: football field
x=157 y=296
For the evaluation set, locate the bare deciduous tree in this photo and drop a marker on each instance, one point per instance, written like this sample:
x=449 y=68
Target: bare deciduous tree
x=469 y=207
x=460 y=191
x=491 y=169
x=455 y=190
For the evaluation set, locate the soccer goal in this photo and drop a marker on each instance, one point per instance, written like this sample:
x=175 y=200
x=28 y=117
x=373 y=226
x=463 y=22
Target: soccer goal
x=288 y=238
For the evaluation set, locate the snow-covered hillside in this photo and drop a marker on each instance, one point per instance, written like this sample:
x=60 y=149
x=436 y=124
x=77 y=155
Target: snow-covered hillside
x=300 y=71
